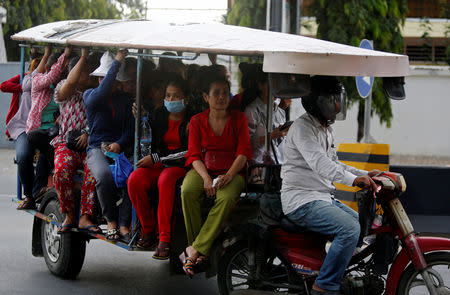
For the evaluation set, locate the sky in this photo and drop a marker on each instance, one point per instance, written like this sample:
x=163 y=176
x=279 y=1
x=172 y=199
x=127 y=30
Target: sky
x=181 y=11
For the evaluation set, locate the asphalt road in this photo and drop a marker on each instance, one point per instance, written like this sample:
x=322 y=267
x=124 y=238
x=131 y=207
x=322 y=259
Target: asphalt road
x=107 y=269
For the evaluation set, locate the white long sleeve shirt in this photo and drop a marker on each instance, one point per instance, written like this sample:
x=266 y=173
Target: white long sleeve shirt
x=311 y=165
x=256 y=116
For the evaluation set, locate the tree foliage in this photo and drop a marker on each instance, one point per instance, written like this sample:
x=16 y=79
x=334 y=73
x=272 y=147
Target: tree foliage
x=23 y=14
x=348 y=22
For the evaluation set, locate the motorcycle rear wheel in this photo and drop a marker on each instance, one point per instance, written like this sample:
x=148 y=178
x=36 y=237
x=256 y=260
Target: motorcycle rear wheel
x=412 y=282
x=234 y=273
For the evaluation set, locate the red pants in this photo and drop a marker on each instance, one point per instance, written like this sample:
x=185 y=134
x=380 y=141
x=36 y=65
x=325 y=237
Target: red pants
x=66 y=163
x=140 y=182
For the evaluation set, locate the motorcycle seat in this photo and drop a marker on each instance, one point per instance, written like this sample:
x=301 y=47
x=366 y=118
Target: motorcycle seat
x=291 y=227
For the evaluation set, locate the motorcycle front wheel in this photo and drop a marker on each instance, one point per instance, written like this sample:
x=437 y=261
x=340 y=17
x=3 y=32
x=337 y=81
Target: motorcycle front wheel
x=235 y=276
x=412 y=281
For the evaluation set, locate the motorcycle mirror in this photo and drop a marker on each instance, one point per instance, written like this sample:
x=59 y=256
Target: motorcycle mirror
x=394 y=87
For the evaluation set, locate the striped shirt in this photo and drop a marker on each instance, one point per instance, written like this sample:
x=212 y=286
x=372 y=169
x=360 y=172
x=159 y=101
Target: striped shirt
x=41 y=93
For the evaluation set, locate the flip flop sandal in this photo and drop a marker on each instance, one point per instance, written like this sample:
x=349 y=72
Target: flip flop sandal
x=188 y=264
x=201 y=260
x=112 y=235
x=163 y=252
x=148 y=242
x=87 y=229
x=27 y=204
x=65 y=229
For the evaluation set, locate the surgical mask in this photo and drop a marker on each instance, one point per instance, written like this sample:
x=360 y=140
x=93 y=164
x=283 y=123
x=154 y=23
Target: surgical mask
x=174 y=106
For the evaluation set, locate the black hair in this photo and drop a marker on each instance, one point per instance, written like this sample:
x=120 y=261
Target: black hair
x=130 y=62
x=166 y=64
x=52 y=59
x=252 y=76
x=214 y=78
x=148 y=64
x=320 y=85
x=93 y=61
x=218 y=69
x=34 y=53
x=179 y=82
x=73 y=61
x=192 y=71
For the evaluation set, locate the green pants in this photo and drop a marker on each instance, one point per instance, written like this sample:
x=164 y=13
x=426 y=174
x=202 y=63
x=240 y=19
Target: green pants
x=202 y=237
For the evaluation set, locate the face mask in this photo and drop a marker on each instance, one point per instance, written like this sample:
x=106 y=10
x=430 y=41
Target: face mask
x=174 y=106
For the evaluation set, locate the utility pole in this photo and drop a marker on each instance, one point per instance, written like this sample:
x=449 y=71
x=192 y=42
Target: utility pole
x=298 y=15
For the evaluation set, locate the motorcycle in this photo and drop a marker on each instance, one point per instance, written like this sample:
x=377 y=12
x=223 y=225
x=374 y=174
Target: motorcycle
x=286 y=259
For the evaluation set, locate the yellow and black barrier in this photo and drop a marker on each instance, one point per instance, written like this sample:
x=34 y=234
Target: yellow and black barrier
x=363 y=156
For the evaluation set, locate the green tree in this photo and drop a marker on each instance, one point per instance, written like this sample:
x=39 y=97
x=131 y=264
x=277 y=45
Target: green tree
x=348 y=22
x=23 y=14
x=83 y=9
x=131 y=8
x=248 y=13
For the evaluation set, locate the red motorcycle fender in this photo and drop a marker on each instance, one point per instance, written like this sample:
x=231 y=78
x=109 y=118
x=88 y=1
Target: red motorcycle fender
x=426 y=244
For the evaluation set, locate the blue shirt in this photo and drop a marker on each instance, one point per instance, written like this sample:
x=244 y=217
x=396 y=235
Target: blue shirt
x=109 y=114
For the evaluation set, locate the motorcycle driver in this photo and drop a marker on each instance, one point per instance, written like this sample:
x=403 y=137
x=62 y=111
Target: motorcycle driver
x=311 y=166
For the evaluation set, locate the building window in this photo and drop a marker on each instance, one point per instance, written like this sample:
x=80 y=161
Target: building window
x=425 y=8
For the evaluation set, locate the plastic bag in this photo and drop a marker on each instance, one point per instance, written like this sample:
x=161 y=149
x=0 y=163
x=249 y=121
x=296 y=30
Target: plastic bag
x=121 y=169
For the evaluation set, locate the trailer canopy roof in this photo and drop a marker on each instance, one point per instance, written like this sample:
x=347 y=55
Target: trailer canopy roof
x=283 y=53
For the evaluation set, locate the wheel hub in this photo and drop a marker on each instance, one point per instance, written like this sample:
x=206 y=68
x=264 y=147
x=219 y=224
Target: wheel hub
x=52 y=239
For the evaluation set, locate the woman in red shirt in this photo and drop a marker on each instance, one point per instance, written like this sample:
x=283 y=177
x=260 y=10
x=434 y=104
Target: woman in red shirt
x=169 y=130
x=219 y=147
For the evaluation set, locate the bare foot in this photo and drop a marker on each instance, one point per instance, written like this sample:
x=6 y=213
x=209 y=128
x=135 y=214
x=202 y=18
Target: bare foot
x=192 y=253
x=124 y=230
x=69 y=219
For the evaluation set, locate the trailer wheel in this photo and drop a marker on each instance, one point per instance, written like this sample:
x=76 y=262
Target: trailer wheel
x=63 y=254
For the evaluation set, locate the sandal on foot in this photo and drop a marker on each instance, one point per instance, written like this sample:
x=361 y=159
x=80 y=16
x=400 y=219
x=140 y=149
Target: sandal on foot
x=27 y=203
x=188 y=264
x=112 y=235
x=147 y=241
x=162 y=251
x=64 y=229
x=92 y=229
x=125 y=237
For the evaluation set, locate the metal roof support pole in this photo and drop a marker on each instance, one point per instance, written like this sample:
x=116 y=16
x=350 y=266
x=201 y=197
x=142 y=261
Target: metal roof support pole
x=22 y=73
x=137 y=125
x=268 y=15
x=367 y=138
x=269 y=113
x=137 y=122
